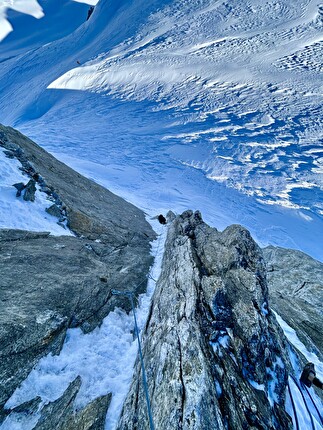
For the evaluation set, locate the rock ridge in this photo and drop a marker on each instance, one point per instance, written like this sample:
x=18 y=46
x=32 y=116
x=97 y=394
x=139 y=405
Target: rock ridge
x=215 y=356
x=91 y=210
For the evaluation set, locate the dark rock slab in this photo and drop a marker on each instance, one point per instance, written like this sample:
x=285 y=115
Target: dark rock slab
x=212 y=348
x=61 y=415
x=47 y=284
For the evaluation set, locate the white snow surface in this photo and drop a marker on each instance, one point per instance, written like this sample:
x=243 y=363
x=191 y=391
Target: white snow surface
x=29 y=24
x=178 y=104
x=173 y=104
x=291 y=335
x=29 y=7
x=17 y=213
x=91 y=2
x=103 y=358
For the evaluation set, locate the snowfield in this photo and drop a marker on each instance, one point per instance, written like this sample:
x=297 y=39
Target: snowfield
x=29 y=7
x=207 y=105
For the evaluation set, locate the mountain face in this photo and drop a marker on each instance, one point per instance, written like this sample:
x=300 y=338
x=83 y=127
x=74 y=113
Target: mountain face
x=213 y=106
x=172 y=104
x=215 y=356
x=52 y=283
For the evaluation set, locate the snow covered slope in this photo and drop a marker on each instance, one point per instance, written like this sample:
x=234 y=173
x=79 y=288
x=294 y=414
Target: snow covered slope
x=29 y=24
x=211 y=105
x=30 y=7
x=19 y=214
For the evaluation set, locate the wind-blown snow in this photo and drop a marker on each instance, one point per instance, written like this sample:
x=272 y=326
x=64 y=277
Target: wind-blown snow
x=188 y=66
x=180 y=104
x=17 y=213
x=103 y=358
x=29 y=7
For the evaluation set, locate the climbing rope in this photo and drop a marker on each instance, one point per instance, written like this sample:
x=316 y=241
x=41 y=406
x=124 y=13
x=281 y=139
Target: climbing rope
x=144 y=378
x=316 y=408
x=304 y=401
x=293 y=406
x=130 y=296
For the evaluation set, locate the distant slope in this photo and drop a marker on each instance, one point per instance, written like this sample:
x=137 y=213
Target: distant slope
x=179 y=104
x=90 y=208
x=31 y=33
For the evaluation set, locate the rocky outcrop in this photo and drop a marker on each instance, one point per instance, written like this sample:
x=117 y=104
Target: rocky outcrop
x=92 y=211
x=214 y=354
x=295 y=282
x=60 y=415
x=30 y=190
x=51 y=283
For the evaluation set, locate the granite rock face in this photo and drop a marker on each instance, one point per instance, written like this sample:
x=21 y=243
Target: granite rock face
x=48 y=283
x=295 y=282
x=214 y=354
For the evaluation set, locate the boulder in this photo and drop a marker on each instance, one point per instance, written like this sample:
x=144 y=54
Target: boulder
x=30 y=190
x=20 y=186
x=54 y=210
